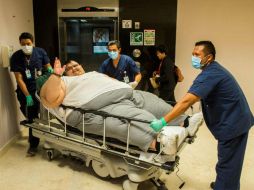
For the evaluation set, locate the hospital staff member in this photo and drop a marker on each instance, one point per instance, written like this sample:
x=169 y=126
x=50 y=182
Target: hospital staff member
x=166 y=78
x=27 y=63
x=119 y=66
x=226 y=113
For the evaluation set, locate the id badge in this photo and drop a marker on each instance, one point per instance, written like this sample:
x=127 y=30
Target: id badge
x=126 y=79
x=28 y=74
x=38 y=73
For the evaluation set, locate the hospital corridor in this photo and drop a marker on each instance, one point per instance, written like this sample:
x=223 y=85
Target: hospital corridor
x=196 y=169
x=126 y=95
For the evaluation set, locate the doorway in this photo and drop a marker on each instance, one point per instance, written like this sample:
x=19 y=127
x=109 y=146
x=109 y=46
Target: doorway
x=85 y=39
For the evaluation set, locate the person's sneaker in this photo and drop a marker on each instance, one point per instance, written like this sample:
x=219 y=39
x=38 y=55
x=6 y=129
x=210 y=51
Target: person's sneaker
x=24 y=122
x=212 y=184
x=194 y=122
x=31 y=152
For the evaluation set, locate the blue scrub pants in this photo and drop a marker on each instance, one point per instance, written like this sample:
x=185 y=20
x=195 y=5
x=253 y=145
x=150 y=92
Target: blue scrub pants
x=30 y=113
x=230 y=161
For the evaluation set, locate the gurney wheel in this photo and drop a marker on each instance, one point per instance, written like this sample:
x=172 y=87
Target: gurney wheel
x=160 y=185
x=163 y=187
x=50 y=154
x=100 y=169
x=129 y=185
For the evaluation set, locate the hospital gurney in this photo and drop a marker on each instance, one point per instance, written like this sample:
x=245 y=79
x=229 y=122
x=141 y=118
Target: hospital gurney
x=110 y=157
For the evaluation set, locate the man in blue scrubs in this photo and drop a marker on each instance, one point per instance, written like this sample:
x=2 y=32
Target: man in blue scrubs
x=226 y=113
x=119 y=66
x=27 y=64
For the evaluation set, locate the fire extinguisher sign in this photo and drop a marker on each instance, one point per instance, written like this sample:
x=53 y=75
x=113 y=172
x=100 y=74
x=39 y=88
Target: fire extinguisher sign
x=136 y=38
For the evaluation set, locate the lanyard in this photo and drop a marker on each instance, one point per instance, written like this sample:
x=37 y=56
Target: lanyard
x=27 y=71
x=27 y=61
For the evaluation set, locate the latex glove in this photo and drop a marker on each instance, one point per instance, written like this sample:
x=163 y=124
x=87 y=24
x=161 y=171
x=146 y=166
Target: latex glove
x=133 y=84
x=29 y=100
x=158 y=124
x=50 y=70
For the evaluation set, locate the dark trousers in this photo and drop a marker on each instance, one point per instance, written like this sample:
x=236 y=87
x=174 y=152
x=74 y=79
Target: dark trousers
x=168 y=96
x=31 y=113
x=230 y=162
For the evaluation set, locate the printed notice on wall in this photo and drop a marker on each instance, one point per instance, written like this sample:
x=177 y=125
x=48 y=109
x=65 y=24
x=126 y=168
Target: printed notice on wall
x=136 y=38
x=126 y=23
x=149 y=37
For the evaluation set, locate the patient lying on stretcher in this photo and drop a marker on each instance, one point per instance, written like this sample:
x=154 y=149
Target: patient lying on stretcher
x=96 y=91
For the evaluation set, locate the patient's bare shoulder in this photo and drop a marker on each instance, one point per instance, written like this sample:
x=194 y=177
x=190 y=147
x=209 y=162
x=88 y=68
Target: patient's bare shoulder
x=53 y=95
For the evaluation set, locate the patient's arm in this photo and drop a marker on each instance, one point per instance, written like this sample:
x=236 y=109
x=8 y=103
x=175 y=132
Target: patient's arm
x=53 y=91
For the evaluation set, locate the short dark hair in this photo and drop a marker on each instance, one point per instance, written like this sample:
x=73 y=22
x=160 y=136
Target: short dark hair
x=26 y=35
x=114 y=42
x=68 y=61
x=162 y=49
x=208 y=47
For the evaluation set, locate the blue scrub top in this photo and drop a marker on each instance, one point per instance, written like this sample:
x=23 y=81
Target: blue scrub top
x=225 y=108
x=19 y=63
x=125 y=63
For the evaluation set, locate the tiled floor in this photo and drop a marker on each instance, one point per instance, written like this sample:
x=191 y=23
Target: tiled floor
x=18 y=172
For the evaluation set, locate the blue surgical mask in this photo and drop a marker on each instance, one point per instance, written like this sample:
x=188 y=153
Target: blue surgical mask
x=113 y=54
x=196 y=62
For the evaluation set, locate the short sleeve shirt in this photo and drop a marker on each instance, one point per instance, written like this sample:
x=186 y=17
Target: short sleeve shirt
x=19 y=63
x=126 y=65
x=93 y=84
x=225 y=108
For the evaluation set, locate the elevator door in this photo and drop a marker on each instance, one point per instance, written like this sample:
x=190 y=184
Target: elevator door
x=85 y=40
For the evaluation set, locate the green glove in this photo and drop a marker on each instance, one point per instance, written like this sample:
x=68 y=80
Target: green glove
x=157 y=125
x=50 y=69
x=29 y=101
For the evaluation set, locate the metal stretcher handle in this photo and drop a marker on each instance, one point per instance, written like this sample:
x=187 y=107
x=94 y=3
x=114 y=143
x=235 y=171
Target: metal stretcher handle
x=105 y=114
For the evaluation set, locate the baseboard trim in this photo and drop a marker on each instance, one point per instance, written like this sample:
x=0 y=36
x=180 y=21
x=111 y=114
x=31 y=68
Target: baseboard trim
x=5 y=148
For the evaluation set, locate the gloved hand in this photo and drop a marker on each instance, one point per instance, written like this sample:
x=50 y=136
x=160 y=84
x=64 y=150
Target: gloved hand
x=158 y=124
x=29 y=100
x=50 y=69
x=133 y=84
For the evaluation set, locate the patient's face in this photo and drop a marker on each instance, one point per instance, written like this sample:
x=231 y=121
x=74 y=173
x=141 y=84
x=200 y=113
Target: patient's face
x=73 y=69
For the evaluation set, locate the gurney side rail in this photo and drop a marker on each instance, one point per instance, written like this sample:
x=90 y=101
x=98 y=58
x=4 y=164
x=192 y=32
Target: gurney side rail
x=169 y=166
x=105 y=115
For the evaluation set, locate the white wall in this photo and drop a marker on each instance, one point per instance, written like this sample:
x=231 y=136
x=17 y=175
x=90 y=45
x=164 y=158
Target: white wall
x=229 y=24
x=15 y=17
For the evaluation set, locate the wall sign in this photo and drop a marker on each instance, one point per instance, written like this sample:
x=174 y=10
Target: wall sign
x=100 y=40
x=136 y=38
x=149 y=37
x=126 y=23
x=137 y=25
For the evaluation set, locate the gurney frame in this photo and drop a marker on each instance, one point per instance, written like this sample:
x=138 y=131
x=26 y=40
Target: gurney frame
x=104 y=157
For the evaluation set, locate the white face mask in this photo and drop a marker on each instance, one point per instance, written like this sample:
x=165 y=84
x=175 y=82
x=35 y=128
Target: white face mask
x=28 y=50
